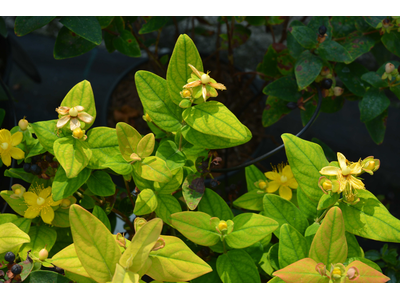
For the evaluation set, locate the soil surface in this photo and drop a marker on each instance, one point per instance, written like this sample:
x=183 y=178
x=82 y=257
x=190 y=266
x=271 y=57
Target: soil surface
x=241 y=97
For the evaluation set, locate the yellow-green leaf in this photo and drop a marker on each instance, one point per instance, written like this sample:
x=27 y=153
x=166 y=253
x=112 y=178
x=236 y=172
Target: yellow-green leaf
x=302 y=271
x=176 y=262
x=18 y=205
x=68 y=260
x=252 y=200
x=155 y=169
x=41 y=236
x=145 y=146
x=367 y=274
x=144 y=240
x=128 y=139
x=11 y=236
x=146 y=202
x=329 y=245
x=94 y=244
x=122 y=275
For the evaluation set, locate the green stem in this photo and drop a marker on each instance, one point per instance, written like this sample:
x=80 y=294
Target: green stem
x=180 y=142
x=323 y=215
x=223 y=243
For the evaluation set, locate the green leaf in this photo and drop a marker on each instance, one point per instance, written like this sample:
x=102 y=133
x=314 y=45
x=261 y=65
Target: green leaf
x=122 y=275
x=307 y=68
x=153 y=93
x=377 y=127
x=104 y=21
x=68 y=260
x=64 y=187
x=193 y=190
x=20 y=174
x=167 y=266
x=350 y=75
x=302 y=271
x=373 y=104
x=155 y=169
x=329 y=245
x=11 y=236
x=367 y=274
x=195 y=225
x=46 y=132
x=354 y=249
x=328 y=200
x=167 y=205
x=357 y=45
x=87 y=27
x=185 y=53
x=154 y=24
x=42 y=276
x=306 y=37
x=211 y=277
x=146 y=202
x=292 y=246
x=318 y=21
x=295 y=49
x=215 y=206
x=101 y=184
x=284 y=88
x=127 y=44
x=237 y=266
x=7 y=218
x=275 y=109
x=103 y=142
x=25 y=25
x=69 y=44
x=284 y=211
x=269 y=65
x=306 y=159
x=333 y=51
x=128 y=139
x=329 y=153
x=94 y=244
x=369 y=218
x=169 y=152
x=373 y=21
x=72 y=154
x=392 y=42
x=145 y=146
x=172 y=185
x=99 y=213
x=81 y=94
x=214 y=118
x=136 y=254
x=374 y=79
x=307 y=206
x=211 y=141
x=23 y=224
x=342 y=26
x=248 y=229
x=61 y=218
x=18 y=205
x=41 y=236
x=252 y=200
x=253 y=174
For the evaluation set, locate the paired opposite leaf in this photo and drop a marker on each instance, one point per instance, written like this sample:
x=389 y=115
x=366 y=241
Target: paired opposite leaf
x=68 y=260
x=11 y=236
x=292 y=246
x=215 y=206
x=307 y=68
x=64 y=187
x=128 y=139
x=302 y=271
x=146 y=202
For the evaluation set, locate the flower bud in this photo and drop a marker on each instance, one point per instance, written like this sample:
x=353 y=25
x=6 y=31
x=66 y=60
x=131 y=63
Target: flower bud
x=262 y=185
x=146 y=118
x=389 y=68
x=186 y=93
x=185 y=103
x=43 y=254
x=325 y=71
x=336 y=273
x=222 y=225
x=353 y=273
x=73 y=112
x=327 y=185
x=338 y=91
x=205 y=78
x=78 y=133
x=23 y=124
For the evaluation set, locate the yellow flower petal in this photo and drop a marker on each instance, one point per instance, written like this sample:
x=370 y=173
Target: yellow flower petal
x=64 y=120
x=192 y=84
x=195 y=71
x=342 y=160
x=47 y=214
x=31 y=212
x=45 y=193
x=5 y=136
x=287 y=171
x=16 y=138
x=74 y=124
x=6 y=158
x=85 y=117
x=218 y=86
x=330 y=170
x=285 y=192
x=355 y=168
x=292 y=183
x=30 y=198
x=273 y=186
x=273 y=176
x=63 y=110
x=54 y=203
x=17 y=153
x=79 y=108
x=356 y=183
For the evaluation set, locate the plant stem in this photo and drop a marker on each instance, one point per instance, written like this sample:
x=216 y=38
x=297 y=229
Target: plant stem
x=125 y=217
x=180 y=142
x=323 y=215
x=129 y=194
x=223 y=243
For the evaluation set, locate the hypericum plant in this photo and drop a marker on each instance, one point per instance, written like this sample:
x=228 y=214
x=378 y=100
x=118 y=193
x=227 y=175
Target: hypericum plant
x=183 y=231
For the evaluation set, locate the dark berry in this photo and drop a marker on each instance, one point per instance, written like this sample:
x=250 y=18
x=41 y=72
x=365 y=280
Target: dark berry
x=213 y=183
x=27 y=167
x=10 y=257
x=35 y=169
x=36 y=158
x=326 y=83
x=16 y=269
x=205 y=251
x=322 y=30
x=49 y=158
x=291 y=105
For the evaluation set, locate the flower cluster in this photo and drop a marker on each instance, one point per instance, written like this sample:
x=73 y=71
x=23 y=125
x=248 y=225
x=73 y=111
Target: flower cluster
x=346 y=179
x=338 y=272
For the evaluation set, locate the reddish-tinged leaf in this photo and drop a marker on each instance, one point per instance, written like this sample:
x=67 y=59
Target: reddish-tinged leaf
x=367 y=274
x=302 y=271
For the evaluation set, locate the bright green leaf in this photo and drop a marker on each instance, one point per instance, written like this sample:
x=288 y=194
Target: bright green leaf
x=146 y=202
x=100 y=183
x=307 y=68
x=69 y=44
x=212 y=204
x=11 y=236
x=64 y=187
x=86 y=27
x=292 y=246
x=372 y=104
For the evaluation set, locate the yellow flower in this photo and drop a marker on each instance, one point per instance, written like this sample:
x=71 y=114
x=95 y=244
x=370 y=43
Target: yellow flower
x=282 y=179
x=40 y=202
x=7 y=146
x=67 y=202
x=73 y=114
x=18 y=190
x=203 y=85
x=347 y=182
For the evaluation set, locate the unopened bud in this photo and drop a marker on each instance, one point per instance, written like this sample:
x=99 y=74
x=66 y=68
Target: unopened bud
x=185 y=93
x=370 y=165
x=389 y=68
x=205 y=79
x=43 y=254
x=78 y=133
x=222 y=225
x=262 y=185
x=73 y=112
x=336 y=273
x=338 y=91
x=146 y=117
x=327 y=185
x=185 y=103
x=23 y=124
